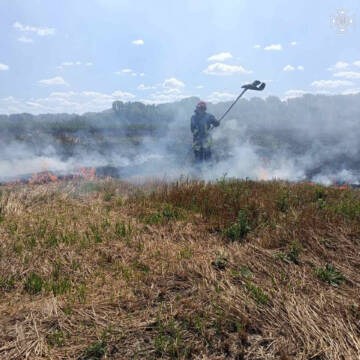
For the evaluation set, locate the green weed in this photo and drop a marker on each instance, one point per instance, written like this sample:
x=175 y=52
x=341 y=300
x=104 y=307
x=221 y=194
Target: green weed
x=257 y=293
x=95 y=351
x=239 y=230
x=33 y=284
x=330 y=275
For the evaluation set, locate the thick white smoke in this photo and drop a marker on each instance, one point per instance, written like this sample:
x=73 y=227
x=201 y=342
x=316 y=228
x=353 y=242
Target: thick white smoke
x=313 y=137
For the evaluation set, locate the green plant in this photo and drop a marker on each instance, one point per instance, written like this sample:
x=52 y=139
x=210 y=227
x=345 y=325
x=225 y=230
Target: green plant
x=33 y=284
x=60 y=286
x=220 y=262
x=330 y=275
x=292 y=255
x=169 y=340
x=257 y=293
x=56 y=338
x=239 y=230
x=95 y=351
x=294 y=252
x=282 y=202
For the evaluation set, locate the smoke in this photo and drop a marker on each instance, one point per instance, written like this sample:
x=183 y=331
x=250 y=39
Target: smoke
x=315 y=137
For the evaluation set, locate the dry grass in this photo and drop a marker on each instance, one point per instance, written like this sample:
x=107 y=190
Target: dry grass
x=229 y=270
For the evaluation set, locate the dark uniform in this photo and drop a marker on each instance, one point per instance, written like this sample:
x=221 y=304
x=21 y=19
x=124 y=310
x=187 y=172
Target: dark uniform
x=201 y=123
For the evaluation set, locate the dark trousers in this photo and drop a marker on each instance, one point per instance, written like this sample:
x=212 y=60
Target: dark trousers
x=202 y=155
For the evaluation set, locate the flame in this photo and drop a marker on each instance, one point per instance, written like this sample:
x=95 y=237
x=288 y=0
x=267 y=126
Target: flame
x=88 y=174
x=263 y=174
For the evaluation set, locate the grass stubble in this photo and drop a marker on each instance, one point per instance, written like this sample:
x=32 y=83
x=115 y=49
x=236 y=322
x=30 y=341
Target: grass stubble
x=233 y=269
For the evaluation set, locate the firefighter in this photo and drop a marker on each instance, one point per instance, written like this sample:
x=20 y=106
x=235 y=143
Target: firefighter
x=201 y=123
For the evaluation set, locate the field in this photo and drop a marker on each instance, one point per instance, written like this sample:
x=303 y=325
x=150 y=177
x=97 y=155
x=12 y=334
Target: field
x=234 y=269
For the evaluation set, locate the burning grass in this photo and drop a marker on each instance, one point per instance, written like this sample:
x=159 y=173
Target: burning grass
x=96 y=269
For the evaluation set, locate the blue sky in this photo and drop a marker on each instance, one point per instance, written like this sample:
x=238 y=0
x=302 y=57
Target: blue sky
x=80 y=55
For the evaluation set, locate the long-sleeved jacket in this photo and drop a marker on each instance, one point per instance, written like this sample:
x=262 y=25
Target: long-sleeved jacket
x=201 y=123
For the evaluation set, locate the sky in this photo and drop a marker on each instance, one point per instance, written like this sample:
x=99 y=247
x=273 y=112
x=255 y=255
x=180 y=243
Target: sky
x=76 y=56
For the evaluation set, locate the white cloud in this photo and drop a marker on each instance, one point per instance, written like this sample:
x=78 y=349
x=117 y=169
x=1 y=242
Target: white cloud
x=200 y=86
x=138 y=42
x=294 y=93
x=216 y=97
x=144 y=87
x=142 y=74
x=351 y=91
x=220 y=57
x=74 y=63
x=331 y=83
x=37 y=30
x=288 y=68
x=340 y=65
x=70 y=102
x=4 y=67
x=293 y=43
x=126 y=72
x=25 y=39
x=68 y=63
x=348 y=74
x=273 y=47
x=57 y=80
x=257 y=46
x=300 y=67
x=161 y=97
x=225 y=69
x=123 y=95
x=173 y=83
x=356 y=63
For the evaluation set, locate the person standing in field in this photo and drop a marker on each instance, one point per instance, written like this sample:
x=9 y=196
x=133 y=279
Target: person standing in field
x=201 y=124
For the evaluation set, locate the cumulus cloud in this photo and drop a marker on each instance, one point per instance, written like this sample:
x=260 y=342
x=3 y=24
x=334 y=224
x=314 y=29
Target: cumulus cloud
x=126 y=72
x=216 y=97
x=164 y=97
x=138 y=42
x=356 y=63
x=25 y=39
x=89 y=64
x=288 y=68
x=45 y=31
x=294 y=93
x=293 y=43
x=331 y=83
x=340 y=65
x=348 y=74
x=4 y=67
x=123 y=95
x=351 y=91
x=272 y=47
x=220 y=57
x=144 y=87
x=173 y=83
x=225 y=69
x=257 y=46
x=300 y=67
x=200 y=86
x=57 y=80
x=65 y=101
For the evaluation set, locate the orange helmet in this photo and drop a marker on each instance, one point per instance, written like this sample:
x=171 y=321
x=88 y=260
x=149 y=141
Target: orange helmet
x=201 y=106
